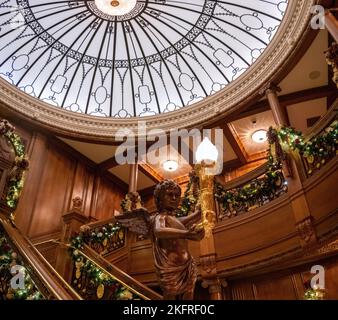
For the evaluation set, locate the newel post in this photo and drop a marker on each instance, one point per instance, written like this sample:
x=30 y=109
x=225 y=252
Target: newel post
x=72 y=222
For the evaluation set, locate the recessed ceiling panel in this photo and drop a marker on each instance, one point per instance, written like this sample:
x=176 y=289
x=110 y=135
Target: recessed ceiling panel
x=245 y=128
x=157 y=56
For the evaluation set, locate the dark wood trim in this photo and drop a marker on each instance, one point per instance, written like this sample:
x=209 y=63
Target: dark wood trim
x=284 y=100
x=306 y=95
x=148 y=174
x=235 y=143
x=107 y=164
x=124 y=187
x=231 y=165
x=71 y=152
x=179 y=150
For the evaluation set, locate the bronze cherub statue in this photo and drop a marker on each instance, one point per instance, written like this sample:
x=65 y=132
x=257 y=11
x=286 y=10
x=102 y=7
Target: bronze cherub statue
x=175 y=267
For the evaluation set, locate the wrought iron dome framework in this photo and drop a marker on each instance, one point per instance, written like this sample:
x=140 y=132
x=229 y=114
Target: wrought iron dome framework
x=161 y=56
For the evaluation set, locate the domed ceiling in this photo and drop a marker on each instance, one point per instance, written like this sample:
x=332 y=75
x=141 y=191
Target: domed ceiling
x=131 y=58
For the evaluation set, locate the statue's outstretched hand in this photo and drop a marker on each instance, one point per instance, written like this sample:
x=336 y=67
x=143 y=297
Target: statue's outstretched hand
x=196 y=232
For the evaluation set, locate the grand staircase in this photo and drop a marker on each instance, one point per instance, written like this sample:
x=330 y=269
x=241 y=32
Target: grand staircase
x=85 y=267
x=92 y=276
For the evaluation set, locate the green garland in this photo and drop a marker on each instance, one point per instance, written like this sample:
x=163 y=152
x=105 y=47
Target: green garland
x=258 y=191
x=96 y=277
x=8 y=259
x=17 y=175
x=108 y=237
x=254 y=194
x=261 y=190
x=190 y=197
x=318 y=150
x=314 y=294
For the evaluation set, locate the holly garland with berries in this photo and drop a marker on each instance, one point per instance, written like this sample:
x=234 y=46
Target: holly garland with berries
x=9 y=259
x=16 y=176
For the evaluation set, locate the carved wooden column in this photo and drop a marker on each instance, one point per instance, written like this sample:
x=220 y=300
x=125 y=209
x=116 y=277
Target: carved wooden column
x=133 y=177
x=279 y=114
x=293 y=172
x=280 y=117
x=207 y=244
x=331 y=24
x=72 y=221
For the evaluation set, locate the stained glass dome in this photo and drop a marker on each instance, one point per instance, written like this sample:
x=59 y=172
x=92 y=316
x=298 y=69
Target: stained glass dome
x=124 y=59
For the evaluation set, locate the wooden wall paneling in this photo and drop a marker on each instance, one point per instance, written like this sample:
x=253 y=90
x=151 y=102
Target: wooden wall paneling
x=276 y=288
x=53 y=193
x=321 y=191
x=89 y=193
x=95 y=195
x=49 y=251
x=78 y=185
x=241 y=291
x=37 y=157
x=82 y=187
x=254 y=229
x=298 y=285
x=331 y=279
x=120 y=259
x=108 y=198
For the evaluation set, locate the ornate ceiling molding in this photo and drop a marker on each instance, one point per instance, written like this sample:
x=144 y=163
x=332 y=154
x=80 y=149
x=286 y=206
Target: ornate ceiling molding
x=288 y=38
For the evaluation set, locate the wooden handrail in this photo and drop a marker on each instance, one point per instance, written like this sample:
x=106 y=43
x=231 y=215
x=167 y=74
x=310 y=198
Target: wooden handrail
x=115 y=273
x=95 y=224
x=323 y=123
x=121 y=276
x=56 y=286
x=240 y=181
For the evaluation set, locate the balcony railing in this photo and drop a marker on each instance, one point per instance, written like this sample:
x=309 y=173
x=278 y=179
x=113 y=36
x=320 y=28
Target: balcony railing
x=103 y=237
x=250 y=192
x=268 y=182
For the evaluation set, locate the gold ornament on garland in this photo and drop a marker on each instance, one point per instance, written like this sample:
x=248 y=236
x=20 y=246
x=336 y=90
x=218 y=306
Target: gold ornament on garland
x=100 y=291
x=310 y=159
x=314 y=294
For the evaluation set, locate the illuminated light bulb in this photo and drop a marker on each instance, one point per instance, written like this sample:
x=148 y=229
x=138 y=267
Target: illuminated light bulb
x=115 y=8
x=206 y=151
x=260 y=136
x=170 y=165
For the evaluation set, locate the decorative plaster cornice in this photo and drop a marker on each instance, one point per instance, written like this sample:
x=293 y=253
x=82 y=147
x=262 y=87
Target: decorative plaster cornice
x=265 y=70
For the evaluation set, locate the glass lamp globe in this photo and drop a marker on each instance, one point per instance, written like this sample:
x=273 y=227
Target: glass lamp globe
x=206 y=152
x=170 y=165
x=117 y=7
x=259 y=136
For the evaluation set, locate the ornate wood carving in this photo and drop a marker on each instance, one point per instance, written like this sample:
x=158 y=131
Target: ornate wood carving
x=306 y=232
